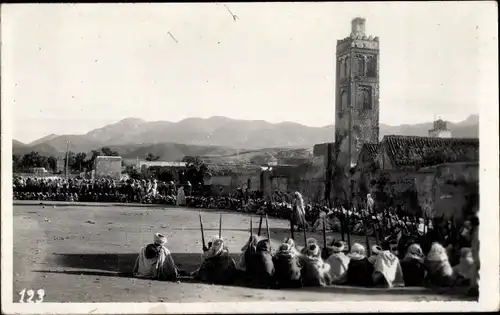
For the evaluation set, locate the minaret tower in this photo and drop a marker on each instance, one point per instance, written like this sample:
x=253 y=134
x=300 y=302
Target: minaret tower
x=357 y=93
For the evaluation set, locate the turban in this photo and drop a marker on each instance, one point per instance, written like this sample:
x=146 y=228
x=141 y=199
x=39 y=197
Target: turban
x=376 y=249
x=160 y=239
x=338 y=247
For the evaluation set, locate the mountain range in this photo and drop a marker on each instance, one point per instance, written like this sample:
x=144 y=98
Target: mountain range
x=215 y=136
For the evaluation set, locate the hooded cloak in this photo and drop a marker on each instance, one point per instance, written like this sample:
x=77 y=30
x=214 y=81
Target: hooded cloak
x=155 y=261
x=217 y=267
x=388 y=268
x=439 y=271
x=413 y=266
x=260 y=268
x=360 y=270
x=339 y=262
x=465 y=267
x=315 y=272
x=247 y=249
x=287 y=268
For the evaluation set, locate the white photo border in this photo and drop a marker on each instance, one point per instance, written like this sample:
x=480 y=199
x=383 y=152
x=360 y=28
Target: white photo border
x=489 y=219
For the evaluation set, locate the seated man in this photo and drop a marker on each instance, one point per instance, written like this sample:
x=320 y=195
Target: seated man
x=249 y=248
x=360 y=269
x=339 y=262
x=413 y=266
x=155 y=261
x=260 y=267
x=387 y=269
x=315 y=272
x=217 y=267
x=287 y=272
x=439 y=270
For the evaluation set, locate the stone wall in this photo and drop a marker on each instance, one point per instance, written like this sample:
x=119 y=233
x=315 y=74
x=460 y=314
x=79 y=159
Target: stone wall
x=108 y=167
x=444 y=189
x=441 y=190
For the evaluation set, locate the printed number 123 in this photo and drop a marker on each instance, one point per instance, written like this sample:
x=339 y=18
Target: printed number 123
x=30 y=293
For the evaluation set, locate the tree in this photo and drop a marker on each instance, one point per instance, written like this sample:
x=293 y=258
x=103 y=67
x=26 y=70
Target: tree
x=71 y=160
x=90 y=162
x=108 y=152
x=16 y=163
x=52 y=163
x=79 y=162
x=32 y=159
x=152 y=157
x=196 y=170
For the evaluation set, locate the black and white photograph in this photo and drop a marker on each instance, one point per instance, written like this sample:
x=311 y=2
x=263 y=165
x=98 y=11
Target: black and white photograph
x=249 y=157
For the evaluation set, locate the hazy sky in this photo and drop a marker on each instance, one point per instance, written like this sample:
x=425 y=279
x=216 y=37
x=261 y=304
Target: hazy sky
x=71 y=68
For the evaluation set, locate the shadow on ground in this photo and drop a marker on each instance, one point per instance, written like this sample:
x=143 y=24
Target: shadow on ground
x=120 y=265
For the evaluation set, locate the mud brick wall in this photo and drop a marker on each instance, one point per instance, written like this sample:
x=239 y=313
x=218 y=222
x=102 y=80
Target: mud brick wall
x=451 y=184
x=108 y=167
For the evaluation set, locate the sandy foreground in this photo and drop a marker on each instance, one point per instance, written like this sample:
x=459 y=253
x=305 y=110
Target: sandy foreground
x=78 y=253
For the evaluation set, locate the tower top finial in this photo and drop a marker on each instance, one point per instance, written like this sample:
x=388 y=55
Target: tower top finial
x=358 y=26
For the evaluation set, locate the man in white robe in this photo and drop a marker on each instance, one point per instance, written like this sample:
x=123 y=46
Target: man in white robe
x=181 y=197
x=155 y=261
x=387 y=269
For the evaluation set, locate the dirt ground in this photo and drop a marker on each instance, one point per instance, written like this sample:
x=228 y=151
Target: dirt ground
x=85 y=254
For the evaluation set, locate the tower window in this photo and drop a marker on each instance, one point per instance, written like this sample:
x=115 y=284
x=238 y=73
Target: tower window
x=346 y=67
x=343 y=99
x=364 y=98
x=372 y=67
x=342 y=68
x=360 y=66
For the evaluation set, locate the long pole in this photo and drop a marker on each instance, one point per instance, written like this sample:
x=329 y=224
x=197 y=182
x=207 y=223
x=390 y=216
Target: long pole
x=350 y=179
x=66 y=162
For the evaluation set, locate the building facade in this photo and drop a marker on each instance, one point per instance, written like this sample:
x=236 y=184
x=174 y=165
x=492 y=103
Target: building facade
x=435 y=176
x=440 y=130
x=357 y=93
x=107 y=167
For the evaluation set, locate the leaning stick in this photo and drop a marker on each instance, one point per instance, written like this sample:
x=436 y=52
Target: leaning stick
x=251 y=227
x=305 y=235
x=268 y=231
x=220 y=226
x=202 y=233
x=260 y=225
x=291 y=226
x=324 y=232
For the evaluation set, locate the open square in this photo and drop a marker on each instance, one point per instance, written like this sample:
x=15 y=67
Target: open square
x=84 y=253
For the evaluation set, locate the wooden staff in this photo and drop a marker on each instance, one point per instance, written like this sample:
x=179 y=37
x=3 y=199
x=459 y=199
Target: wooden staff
x=305 y=236
x=251 y=227
x=348 y=229
x=366 y=223
x=342 y=228
x=260 y=225
x=202 y=233
x=220 y=226
x=291 y=226
x=268 y=231
x=324 y=232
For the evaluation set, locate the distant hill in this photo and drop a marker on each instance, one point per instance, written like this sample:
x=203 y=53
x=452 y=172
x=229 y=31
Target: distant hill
x=42 y=148
x=17 y=144
x=44 y=139
x=215 y=136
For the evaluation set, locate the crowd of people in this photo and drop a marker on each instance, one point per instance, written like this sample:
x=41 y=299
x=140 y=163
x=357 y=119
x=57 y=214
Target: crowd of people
x=286 y=266
x=289 y=266
x=279 y=205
